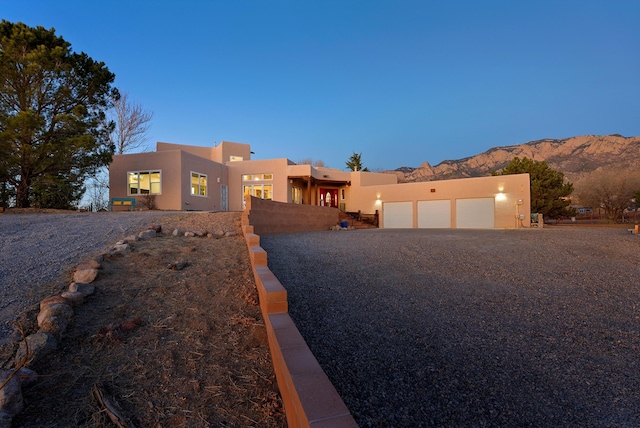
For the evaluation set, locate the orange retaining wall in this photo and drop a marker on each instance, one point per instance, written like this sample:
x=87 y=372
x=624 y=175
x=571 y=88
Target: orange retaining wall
x=269 y=217
x=309 y=397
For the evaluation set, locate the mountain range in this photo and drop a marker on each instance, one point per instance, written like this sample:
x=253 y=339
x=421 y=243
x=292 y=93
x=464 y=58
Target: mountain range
x=576 y=157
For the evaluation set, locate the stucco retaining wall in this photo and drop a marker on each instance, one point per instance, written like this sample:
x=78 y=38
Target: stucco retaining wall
x=309 y=397
x=269 y=217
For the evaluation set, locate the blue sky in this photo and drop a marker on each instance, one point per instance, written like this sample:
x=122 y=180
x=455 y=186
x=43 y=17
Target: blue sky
x=402 y=82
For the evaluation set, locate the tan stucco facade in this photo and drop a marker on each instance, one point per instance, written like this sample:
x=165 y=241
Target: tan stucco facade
x=230 y=174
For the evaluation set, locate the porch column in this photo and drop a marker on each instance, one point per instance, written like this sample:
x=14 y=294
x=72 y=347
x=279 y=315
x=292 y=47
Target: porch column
x=309 y=196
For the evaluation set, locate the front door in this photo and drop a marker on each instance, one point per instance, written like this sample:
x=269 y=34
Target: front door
x=329 y=197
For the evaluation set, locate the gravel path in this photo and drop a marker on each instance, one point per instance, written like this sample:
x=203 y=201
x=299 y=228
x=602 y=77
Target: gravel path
x=37 y=248
x=471 y=328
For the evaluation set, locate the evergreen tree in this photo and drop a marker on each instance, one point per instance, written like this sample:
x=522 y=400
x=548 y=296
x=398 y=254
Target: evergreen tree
x=549 y=192
x=355 y=163
x=52 y=116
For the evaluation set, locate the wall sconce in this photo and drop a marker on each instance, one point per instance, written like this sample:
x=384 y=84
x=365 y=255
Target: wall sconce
x=501 y=197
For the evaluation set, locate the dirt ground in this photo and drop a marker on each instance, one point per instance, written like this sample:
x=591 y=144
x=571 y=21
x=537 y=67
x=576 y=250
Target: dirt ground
x=173 y=335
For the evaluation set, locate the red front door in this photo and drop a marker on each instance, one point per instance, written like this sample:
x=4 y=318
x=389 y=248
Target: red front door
x=329 y=198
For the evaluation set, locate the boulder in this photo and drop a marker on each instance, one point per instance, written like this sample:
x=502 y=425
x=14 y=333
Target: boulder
x=156 y=227
x=177 y=232
x=189 y=234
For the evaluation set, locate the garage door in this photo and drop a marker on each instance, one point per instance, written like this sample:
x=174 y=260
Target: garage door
x=475 y=213
x=397 y=215
x=434 y=214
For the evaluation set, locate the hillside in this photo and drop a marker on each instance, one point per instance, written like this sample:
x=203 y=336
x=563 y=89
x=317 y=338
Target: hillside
x=575 y=157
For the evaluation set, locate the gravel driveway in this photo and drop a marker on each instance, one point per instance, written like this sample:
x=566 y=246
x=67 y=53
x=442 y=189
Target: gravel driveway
x=471 y=328
x=37 y=248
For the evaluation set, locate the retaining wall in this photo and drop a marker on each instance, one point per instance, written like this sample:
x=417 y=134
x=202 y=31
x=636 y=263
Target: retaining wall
x=309 y=397
x=269 y=217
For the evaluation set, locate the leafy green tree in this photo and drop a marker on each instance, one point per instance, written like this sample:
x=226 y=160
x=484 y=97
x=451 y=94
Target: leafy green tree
x=53 y=131
x=355 y=163
x=549 y=191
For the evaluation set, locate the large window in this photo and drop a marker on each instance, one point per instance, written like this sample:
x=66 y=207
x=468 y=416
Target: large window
x=198 y=184
x=144 y=183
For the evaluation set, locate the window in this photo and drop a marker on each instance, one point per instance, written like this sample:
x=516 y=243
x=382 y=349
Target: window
x=144 y=183
x=257 y=177
x=198 y=184
x=235 y=158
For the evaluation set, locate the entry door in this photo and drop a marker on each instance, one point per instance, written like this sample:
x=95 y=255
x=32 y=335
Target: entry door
x=329 y=198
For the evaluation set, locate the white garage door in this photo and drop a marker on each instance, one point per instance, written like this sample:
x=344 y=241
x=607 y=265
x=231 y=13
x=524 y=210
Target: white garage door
x=397 y=215
x=434 y=214
x=475 y=213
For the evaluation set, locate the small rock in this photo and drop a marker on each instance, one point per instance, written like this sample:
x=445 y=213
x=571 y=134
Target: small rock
x=156 y=227
x=200 y=233
x=131 y=238
x=89 y=264
x=86 y=276
x=40 y=344
x=147 y=234
x=60 y=310
x=27 y=377
x=218 y=232
x=54 y=300
x=231 y=233
x=177 y=232
x=11 y=402
x=54 y=325
x=84 y=289
x=189 y=234
x=119 y=248
x=74 y=297
x=178 y=265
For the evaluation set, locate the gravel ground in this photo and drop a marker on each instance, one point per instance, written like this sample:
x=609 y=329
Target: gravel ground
x=38 y=248
x=471 y=328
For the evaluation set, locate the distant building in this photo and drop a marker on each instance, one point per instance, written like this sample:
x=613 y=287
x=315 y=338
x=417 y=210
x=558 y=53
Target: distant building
x=181 y=177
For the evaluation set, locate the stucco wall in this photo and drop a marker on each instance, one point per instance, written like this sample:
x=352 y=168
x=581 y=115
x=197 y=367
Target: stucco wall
x=167 y=162
x=269 y=217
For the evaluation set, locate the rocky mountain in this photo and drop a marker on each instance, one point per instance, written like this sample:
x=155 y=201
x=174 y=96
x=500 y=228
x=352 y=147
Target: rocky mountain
x=576 y=157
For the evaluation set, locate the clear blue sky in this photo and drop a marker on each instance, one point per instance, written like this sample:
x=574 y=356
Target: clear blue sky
x=403 y=82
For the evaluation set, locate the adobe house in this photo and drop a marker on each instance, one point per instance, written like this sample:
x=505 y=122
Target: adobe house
x=219 y=178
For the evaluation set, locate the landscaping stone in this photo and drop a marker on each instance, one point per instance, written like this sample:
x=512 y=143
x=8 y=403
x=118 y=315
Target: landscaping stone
x=147 y=234
x=74 y=297
x=39 y=344
x=86 y=276
x=11 y=402
x=84 y=289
